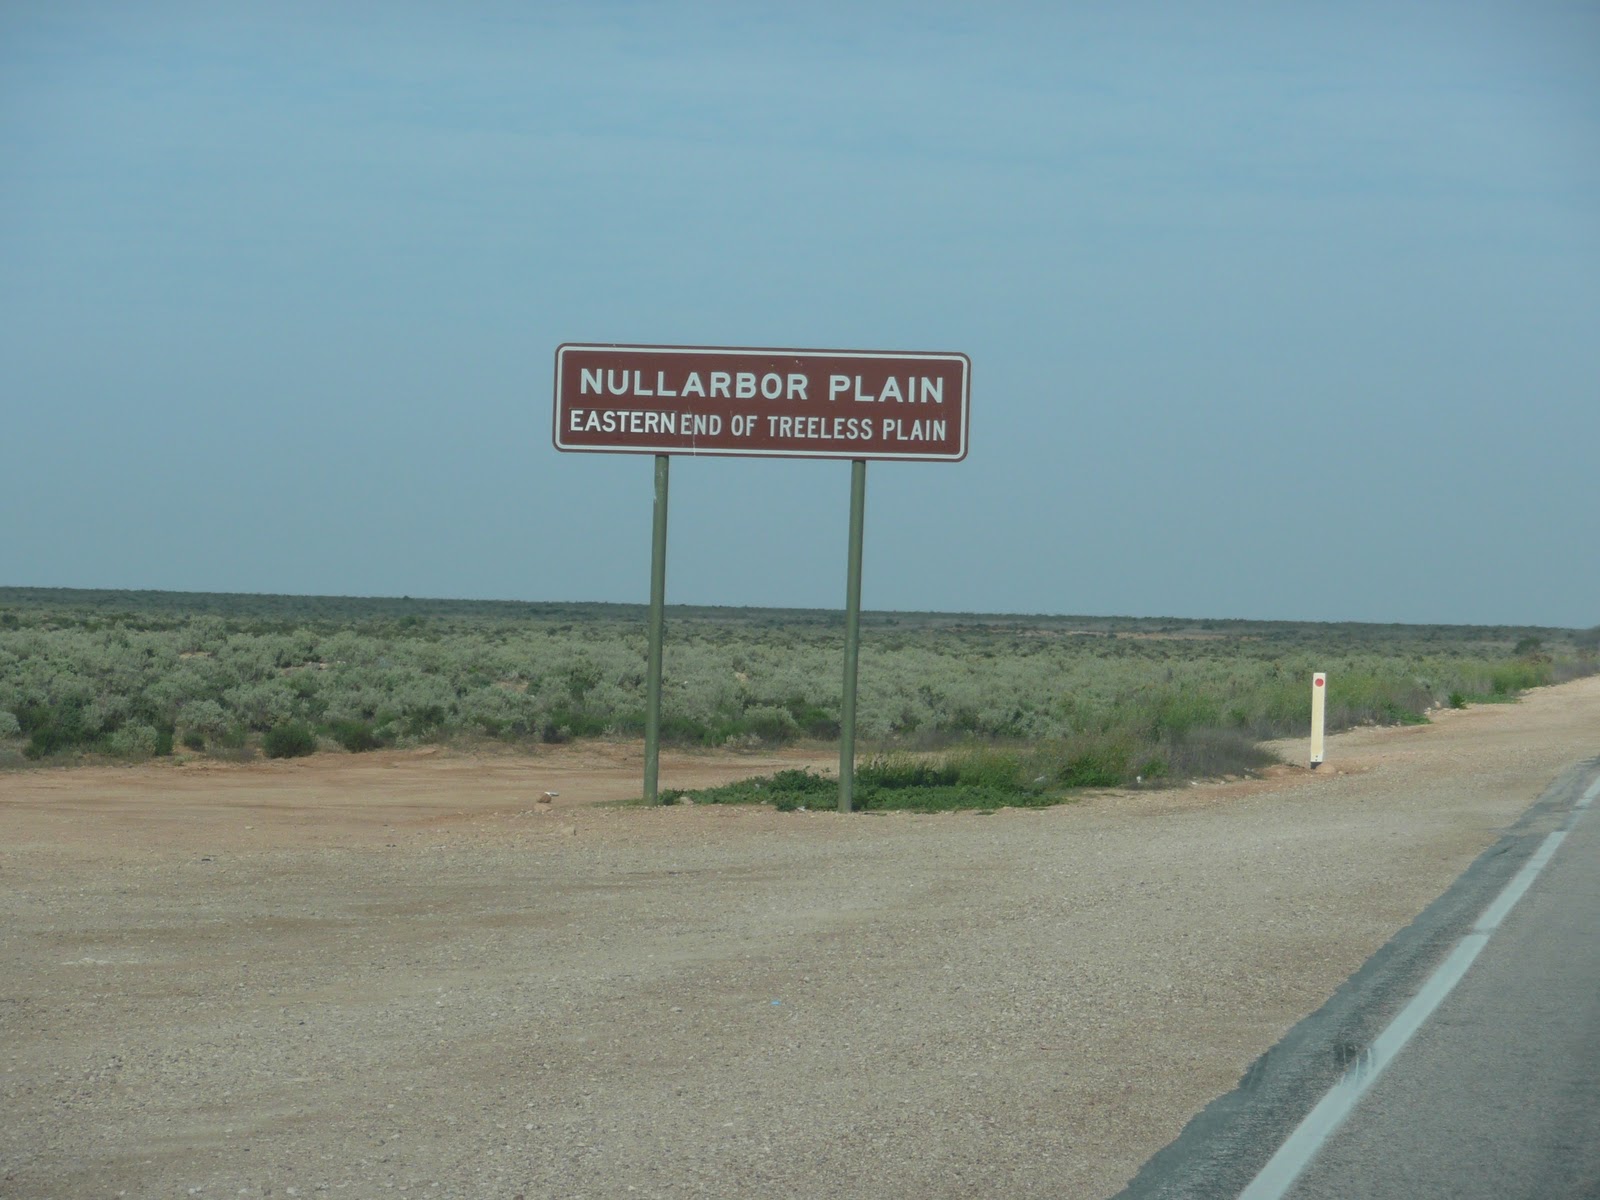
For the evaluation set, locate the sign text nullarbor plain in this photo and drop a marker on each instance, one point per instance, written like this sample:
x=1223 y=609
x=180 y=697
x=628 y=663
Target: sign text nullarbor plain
x=747 y=385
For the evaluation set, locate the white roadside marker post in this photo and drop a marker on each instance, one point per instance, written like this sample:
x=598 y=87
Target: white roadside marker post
x=1319 y=699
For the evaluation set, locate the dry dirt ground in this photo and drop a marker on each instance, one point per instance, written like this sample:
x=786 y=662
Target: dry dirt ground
x=399 y=974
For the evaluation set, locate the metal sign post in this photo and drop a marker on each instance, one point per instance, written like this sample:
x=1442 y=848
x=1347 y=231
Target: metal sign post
x=852 y=636
x=720 y=400
x=658 y=604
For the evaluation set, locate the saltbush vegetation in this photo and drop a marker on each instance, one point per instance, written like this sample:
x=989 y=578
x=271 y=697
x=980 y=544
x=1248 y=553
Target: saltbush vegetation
x=1027 y=703
x=292 y=739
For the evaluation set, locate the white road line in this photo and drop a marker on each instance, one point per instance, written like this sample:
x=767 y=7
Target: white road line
x=1594 y=790
x=1283 y=1168
x=1496 y=912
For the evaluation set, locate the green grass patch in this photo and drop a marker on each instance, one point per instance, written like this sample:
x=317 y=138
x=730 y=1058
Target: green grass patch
x=786 y=791
x=981 y=779
x=984 y=778
x=1483 y=698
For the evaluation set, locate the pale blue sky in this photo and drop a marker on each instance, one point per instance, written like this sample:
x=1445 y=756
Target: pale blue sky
x=1280 y=311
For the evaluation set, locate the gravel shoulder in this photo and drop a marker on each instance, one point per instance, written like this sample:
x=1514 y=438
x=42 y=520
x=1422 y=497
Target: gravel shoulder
x=398 y=973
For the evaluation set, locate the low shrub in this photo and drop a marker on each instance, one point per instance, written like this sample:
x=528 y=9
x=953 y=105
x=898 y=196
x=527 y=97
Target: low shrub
x=562 y=725
x=988 y=767
x=137 y=741
x=55 y=728
x=813 y=720
x=1099 y=762
x=235 y=737
x=1513 y=678
x=355 y=736
x=1208 y=754
x=902 y=771
x=771 y=724
x=1392 y=713
x=785 y=790
x=291 y=740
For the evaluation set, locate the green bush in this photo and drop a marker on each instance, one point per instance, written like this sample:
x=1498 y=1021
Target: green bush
x=1153 y=770
x=137 y=741
x=1208 y=754
x=1174 y=713
x=235 y=737
x=563 y=725
x=988 y=768
x=202 y=717
x=1510 y=679
x=904 y=771
x=812 y=719
x=1392 y=713
x=292 y=740
x=55 y=729
x=355 y=736
x=1098 y=763
x=786 y=790
x=771 y=724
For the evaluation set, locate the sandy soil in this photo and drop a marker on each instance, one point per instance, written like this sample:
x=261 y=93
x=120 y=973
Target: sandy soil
x=399 y=973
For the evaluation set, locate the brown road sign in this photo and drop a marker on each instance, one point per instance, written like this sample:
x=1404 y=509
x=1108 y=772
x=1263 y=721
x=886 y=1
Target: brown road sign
x=784 y=403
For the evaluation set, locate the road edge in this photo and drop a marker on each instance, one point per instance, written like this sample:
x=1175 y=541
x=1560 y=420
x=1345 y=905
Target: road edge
x=1223 y=1146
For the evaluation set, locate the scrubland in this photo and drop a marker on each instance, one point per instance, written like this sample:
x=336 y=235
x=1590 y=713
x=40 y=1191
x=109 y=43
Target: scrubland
x=1058 y=700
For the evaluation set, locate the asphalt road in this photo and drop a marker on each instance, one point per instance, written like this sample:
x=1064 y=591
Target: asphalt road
x=1497 y=1093
x=1497 y=1096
